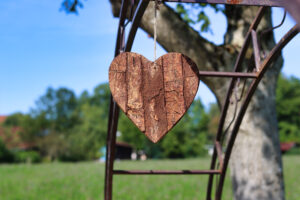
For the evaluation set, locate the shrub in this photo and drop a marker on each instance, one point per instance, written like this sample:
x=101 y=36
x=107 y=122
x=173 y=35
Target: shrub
x=5 y=155
x=27 y=157
x=294 y=151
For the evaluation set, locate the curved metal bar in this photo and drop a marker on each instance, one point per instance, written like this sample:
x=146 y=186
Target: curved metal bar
x=277 y=3
x=266 y=63
x=113 y=114
x=121 y=30
x=114 y=108
x=237 y=67
x=139 y=12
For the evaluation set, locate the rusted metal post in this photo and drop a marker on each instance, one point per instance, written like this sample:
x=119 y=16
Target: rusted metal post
x=110 y=150
x=264 y=66
x=237 y=68
x=256 y=50
x=113 y=114
x=138 y=14
x=220 y=154
x=114 y=109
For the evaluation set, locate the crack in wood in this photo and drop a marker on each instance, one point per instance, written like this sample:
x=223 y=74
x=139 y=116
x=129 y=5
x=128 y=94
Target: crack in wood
x=163 y=75
x=183 y=79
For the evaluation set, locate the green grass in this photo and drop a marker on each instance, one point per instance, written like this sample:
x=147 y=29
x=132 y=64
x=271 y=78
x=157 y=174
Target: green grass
x=85 y=181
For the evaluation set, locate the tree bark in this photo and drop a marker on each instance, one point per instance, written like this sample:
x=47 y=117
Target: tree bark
x=256 y=166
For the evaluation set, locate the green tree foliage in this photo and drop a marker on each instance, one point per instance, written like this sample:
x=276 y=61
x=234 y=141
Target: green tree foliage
x=89 y=134
x=66 y=127
x=69 y=128
x=71 y=6
x=130 y=133
x=30 y=126
x=189 y=136
x=194 y=14
x=52 y=145
x=213 y=122
x=57 y=108
x=87 y=137
x=27 y=157
x=288 y=108
x=186 y=139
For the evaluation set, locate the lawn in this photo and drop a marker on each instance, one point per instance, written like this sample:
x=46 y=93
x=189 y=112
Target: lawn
x=84 y=180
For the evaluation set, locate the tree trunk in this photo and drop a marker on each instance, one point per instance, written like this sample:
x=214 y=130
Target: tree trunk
x=256 y=167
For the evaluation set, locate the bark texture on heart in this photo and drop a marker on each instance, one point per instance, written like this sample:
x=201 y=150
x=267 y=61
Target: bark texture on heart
x=155 y=96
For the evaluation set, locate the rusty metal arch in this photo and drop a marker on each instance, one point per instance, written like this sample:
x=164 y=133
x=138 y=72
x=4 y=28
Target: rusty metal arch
x=261 y=67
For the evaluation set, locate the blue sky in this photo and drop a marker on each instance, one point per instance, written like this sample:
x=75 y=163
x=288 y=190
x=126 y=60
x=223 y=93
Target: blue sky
x=41 y=46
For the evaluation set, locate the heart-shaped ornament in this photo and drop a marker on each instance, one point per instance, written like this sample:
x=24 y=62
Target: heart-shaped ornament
x=154 y=96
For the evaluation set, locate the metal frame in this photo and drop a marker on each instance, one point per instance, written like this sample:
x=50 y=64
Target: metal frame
x=260 y=68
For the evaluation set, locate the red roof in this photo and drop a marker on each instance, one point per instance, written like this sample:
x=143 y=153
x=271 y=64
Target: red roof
x=123 y=144
x=13 y=140
x=285 y=146
x=2 y=118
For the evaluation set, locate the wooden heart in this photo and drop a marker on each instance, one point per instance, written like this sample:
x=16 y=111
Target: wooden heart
x=154 y=96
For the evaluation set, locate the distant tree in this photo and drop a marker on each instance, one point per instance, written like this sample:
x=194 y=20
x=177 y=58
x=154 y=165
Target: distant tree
x=288 y=108
x=66 y=127
x=14 y=120
x=88 y=136
x=214 y=116
x=130 y=133
x=186 y=139
x=57 y=107
x=198 y=118
x=29 y=127
x=101 y=97
x=53 y=145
